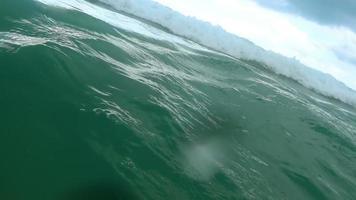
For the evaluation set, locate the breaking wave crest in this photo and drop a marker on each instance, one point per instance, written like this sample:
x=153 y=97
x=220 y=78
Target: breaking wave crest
x=218 y=39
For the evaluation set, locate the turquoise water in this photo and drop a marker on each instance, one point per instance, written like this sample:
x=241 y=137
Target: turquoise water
x=99 y=105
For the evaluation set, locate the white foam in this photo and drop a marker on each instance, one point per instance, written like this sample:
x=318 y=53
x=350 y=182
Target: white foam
x=215 y=37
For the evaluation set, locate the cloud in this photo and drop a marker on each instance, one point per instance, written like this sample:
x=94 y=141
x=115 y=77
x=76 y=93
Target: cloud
x=347 y=53
x=325 y=12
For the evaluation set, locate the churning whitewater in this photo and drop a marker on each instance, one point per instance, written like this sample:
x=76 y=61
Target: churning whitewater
x=130 y=100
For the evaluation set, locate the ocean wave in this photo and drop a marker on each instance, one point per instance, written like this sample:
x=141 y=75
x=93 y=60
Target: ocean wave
x=218 y=39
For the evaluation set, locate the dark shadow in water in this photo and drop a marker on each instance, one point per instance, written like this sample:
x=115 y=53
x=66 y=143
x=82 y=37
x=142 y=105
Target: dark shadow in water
x=305 y=183
x=331 y=133
x=102 y=191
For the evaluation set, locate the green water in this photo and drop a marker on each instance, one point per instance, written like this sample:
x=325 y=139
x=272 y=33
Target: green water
x=90 y=110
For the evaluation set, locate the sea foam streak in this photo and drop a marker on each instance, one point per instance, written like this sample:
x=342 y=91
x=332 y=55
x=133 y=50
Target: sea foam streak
x=215 y=37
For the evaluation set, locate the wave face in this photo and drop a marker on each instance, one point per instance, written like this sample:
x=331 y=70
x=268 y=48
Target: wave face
x=98 y=104
x=216 y=38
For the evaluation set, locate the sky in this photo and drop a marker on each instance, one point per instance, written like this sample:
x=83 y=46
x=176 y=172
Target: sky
x=319 y=33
